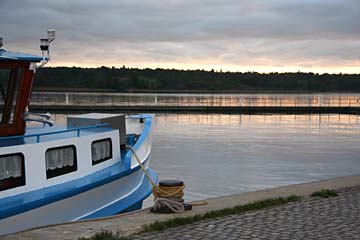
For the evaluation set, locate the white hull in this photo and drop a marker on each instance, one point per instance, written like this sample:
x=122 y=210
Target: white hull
x=113 y=186
x=74 y=208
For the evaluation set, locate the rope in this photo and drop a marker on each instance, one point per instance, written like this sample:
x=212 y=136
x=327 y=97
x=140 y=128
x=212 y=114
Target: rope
x=142 y=166
x=199 y=203
x=168 y=192
x=171 y=197
x=174 y=206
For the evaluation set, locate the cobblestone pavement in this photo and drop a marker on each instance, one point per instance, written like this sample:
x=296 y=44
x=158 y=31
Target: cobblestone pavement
x=327 y=218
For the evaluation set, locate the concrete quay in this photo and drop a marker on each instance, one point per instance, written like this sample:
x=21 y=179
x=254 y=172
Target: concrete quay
x=332 y=218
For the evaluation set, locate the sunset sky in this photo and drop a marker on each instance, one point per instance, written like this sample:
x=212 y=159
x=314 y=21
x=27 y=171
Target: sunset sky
x=232 y=35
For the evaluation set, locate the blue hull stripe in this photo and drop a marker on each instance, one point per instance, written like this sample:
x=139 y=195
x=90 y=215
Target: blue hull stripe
x=122 y=205
x=28 y=201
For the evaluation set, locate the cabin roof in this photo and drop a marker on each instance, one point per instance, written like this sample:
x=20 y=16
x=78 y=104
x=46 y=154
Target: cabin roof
x=47 y=134
x=16 y=56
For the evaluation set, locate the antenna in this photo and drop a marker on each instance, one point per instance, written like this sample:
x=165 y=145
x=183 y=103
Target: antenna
x=51 y=35
x=45 y=47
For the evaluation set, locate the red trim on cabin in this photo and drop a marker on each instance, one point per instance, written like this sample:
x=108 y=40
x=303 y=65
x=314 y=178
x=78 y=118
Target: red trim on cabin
x=17 y=126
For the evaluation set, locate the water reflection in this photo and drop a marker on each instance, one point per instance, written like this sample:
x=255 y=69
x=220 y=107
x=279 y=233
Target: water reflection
x=239 y=120
x=220 y=154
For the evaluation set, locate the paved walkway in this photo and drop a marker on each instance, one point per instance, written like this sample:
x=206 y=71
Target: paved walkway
x=327 y=218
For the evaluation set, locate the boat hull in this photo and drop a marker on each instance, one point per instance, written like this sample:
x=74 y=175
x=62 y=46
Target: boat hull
x=121 y=195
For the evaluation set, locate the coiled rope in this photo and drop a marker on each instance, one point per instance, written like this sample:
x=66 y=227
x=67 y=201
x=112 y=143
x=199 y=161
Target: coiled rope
x=169 y=196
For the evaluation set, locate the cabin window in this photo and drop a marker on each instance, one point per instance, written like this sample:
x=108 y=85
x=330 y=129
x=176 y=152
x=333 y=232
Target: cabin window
x=12 y=171
x=60 y=160
x=101 y=150
x=9 y=89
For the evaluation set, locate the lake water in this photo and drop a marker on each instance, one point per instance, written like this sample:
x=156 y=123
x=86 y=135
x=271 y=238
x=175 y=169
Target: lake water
x=221 y=154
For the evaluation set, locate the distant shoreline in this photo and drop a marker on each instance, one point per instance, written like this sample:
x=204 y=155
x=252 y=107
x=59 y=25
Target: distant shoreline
x=83 y=90
x=127 y=80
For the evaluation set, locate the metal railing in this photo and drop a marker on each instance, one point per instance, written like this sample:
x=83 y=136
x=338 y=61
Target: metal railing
x=201 y=100
x=38 y=135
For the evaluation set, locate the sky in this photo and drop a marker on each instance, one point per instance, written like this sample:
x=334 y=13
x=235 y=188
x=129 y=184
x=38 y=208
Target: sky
x=229 y=35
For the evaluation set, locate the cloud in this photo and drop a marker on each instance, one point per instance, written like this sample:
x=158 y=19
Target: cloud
x=254 y=34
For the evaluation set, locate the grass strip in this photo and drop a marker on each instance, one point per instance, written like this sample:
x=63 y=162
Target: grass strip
x=324 y=193
x=180 y=221
x=104 y=235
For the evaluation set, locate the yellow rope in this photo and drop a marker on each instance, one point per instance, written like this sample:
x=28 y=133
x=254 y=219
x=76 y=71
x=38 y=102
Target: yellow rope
x=163 y=191
x=199 y=203
x=166 y=192
x=159 y=191
x=141 y=165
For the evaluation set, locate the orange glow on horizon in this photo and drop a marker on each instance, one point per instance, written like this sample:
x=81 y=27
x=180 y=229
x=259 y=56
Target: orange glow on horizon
x=352 y=69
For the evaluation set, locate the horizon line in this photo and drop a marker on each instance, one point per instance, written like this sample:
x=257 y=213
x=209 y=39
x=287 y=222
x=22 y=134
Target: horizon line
x=205 y=70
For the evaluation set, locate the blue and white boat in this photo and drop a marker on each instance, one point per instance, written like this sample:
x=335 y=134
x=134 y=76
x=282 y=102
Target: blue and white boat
x=53 y=174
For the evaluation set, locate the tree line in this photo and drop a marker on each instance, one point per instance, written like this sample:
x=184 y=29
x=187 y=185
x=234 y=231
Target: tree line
x=171 y=80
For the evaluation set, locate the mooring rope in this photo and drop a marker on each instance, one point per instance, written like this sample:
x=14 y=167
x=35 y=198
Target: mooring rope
x=170 y=196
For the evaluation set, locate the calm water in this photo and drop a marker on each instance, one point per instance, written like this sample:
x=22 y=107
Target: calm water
x=226 y=154
x=218 y=154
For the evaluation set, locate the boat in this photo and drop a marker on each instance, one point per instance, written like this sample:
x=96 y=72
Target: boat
x=51 y=173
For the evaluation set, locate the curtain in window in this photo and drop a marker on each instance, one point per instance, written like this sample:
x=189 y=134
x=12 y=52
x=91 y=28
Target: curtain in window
x=100 y=150
x=10 y=166
x=59 y=158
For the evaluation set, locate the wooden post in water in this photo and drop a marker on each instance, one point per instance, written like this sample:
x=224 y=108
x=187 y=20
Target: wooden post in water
x=155 y=100
x=67 y=98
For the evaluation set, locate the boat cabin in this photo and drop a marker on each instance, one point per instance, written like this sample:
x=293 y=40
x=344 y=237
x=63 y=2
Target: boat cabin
x=82 y=165
x=16 y=81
